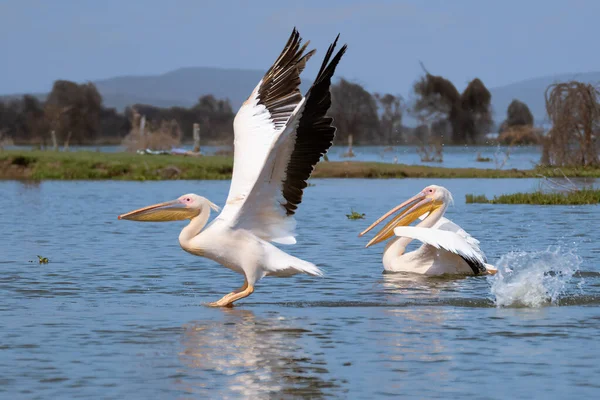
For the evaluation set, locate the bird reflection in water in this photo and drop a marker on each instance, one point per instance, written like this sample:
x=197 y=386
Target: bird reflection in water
x=420 y=288
x=421 y=339
x=249 y=357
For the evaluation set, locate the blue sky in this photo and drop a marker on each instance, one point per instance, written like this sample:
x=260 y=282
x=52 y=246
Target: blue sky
x=498 y=41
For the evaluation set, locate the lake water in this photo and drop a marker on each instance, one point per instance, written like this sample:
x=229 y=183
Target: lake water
x=501 y=157
x=118 y=312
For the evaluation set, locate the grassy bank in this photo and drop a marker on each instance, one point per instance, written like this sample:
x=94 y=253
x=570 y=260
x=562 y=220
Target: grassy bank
x=586 y=196
x=39 y=165
x=97 y=165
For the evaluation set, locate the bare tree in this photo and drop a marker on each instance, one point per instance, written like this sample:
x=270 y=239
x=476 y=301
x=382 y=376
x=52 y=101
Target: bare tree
x=469 y=113
x=391 y=117
x=354 y=111
x=574 y=110
x=55 y=117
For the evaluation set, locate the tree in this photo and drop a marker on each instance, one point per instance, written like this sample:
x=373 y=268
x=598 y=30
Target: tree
x=517 y=114
x=391 y=117
x=354 y=111
x=476 y=104
x=574 y=110
x=9 y=117
x=23 y=118
x=29 y=122
x=469 y=113
x=75 y=110
x=518 y=127
x=215 y=117
x=113 y=125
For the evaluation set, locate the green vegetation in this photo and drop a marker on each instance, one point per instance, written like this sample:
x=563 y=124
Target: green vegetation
x=480 y=198
x=41 y=165
x=482 y=159
x=43 y=260
x=358 y=169
x=355 y=215
x=585 y=196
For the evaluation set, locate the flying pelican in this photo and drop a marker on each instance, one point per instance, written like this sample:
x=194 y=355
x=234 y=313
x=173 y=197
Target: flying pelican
x=446 y=249
x=280 y=136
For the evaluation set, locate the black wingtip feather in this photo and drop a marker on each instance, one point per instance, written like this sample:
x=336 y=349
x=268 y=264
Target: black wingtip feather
x=476 y=266
x=279 y=91
x=315 y=132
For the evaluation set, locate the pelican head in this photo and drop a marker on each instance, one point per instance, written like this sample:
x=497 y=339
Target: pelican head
x=428 y=200
x=185 y=207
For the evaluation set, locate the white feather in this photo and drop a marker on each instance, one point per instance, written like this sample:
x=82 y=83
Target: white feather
x=448 y=225
x=254 y=134
x=444 y=239
x=258 y=207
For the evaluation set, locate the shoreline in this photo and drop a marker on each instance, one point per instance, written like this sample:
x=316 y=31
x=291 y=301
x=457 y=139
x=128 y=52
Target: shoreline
x=83 y=165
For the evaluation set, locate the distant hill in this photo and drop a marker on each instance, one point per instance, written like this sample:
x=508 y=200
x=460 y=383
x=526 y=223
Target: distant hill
x=531 y=92
x=183 y=87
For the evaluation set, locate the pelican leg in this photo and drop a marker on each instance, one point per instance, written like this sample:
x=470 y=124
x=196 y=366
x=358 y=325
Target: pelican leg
x=227 y=300
x=236 y=291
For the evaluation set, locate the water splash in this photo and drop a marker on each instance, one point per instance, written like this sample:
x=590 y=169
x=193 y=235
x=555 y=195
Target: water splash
x=533 y=279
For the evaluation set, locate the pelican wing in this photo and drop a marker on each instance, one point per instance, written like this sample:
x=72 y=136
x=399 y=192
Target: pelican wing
x=262 y=118
x=448 y=225
x=269 y=206
x=449 y=241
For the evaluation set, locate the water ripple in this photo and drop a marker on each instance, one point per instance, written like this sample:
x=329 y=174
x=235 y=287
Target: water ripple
x=120 y=309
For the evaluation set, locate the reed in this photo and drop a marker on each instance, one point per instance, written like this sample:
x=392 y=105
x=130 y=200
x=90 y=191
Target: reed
x=583 y=196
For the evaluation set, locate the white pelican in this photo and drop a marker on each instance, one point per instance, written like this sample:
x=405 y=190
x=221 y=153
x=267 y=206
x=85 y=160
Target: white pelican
x=446 y=249
x=280 y=136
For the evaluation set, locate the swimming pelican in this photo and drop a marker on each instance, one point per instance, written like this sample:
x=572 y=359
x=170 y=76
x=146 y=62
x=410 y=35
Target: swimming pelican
x=280 y=136
x=446 y=249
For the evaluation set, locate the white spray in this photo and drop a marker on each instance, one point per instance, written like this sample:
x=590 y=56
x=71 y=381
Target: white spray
x=533 y=279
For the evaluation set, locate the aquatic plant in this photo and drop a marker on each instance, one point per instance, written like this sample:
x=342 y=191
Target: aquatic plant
x=350 y=152
x=584 y=196
x=482 y=159
x=501 y=157
x=42 y=260
x=480 y=198
x=430 y=135
x=355 y=215
x=432 y=152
